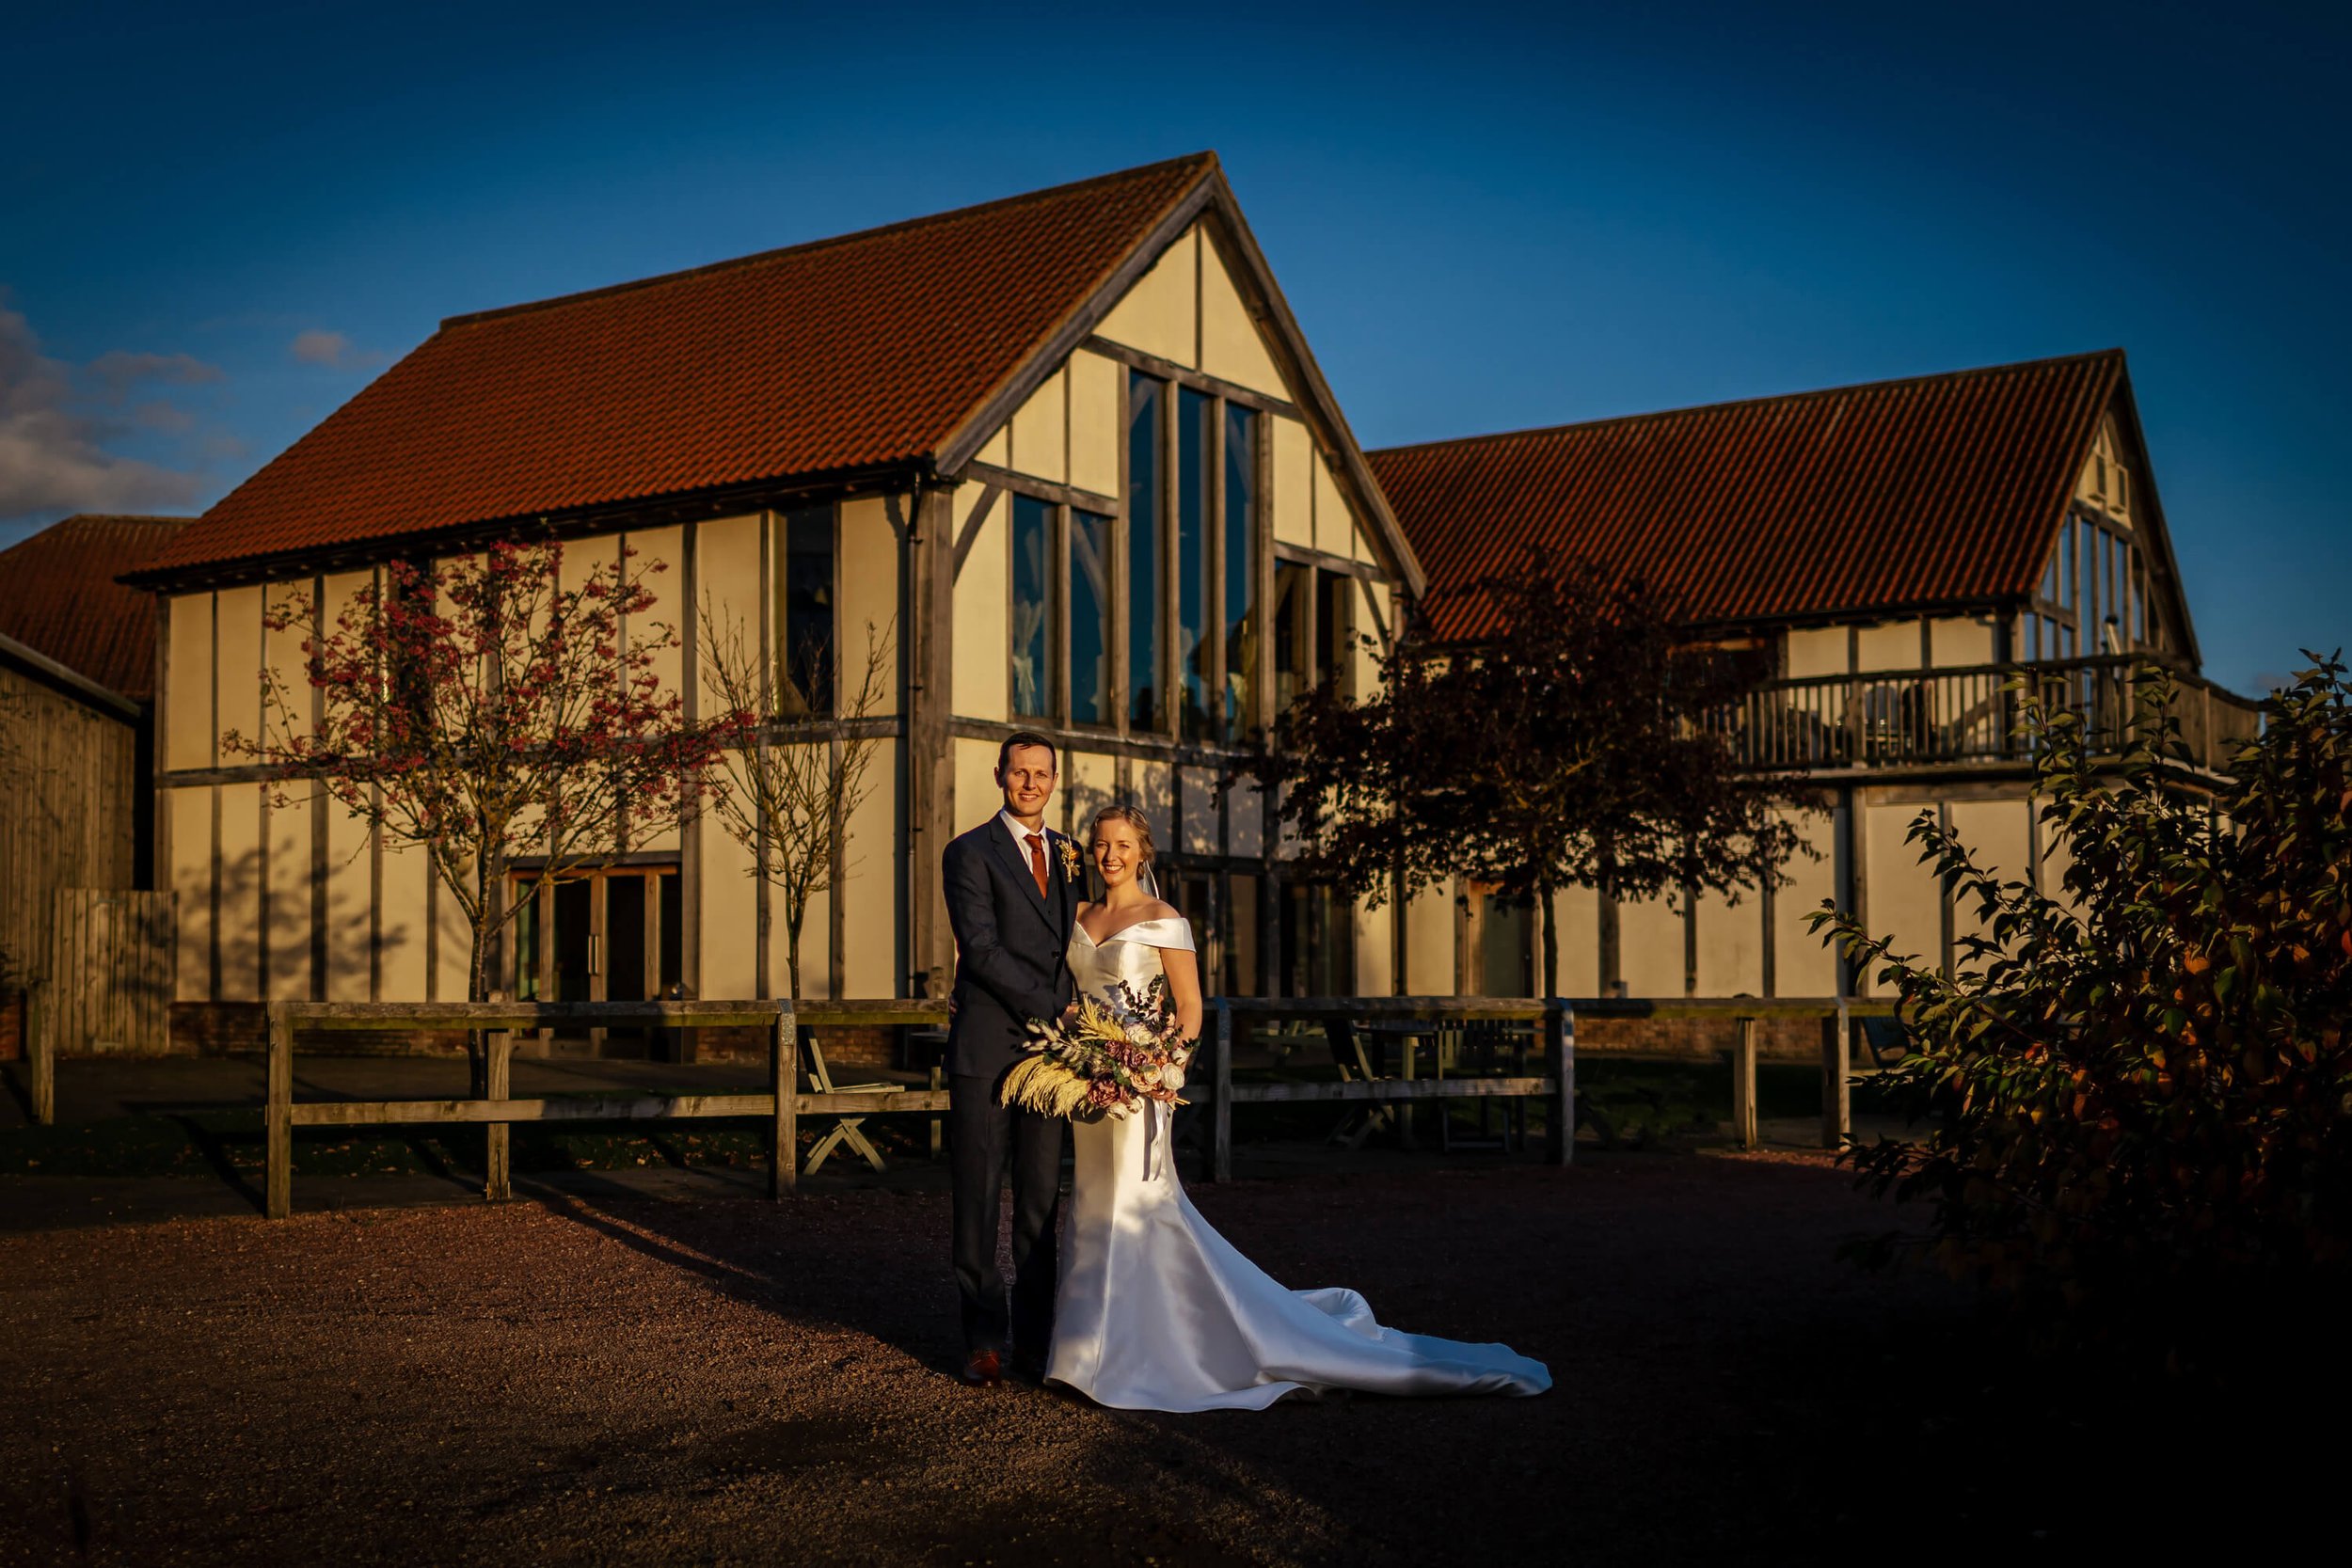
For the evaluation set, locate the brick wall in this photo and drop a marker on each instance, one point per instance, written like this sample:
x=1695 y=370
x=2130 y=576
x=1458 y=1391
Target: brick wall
x=844 y=1045
x=1777 y=1039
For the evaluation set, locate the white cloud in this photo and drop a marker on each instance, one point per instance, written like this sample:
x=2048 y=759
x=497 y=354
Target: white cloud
x=55 y=429
x=318 y=346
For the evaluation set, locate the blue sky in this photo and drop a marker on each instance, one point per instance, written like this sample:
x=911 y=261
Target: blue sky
x=216 y=222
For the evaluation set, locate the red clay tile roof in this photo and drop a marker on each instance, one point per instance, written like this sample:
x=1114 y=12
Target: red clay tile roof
x=58 y=597
x=844 y=354
x=1897 y=495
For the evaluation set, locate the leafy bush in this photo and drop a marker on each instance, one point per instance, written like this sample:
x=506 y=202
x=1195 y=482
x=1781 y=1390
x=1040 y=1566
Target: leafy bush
x=2136 y=1108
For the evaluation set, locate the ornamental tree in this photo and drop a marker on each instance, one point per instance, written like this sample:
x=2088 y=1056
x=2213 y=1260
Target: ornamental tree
x=483 y=712
x=2135 y=1094
x=795 y=781
x=1580 y=747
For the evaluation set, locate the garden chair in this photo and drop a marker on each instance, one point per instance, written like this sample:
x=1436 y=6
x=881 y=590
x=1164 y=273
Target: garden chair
x=1347 y=1055
x=845 y=1130
x=1479 y=1046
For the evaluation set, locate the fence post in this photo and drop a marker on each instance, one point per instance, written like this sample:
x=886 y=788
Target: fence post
x=1836 y=1092
x=497 y=1137
x=1221 y=1094
x=784 y=1131
x=1743 y=1084
x=1560 y=1061
x=40 y=1051
x=277 y=1117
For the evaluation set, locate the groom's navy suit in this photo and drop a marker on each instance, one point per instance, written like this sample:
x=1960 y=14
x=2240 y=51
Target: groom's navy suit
x=1013 y=965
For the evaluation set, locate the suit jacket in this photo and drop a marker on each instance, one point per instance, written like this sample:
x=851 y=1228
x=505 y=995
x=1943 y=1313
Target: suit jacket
x=1013 y=945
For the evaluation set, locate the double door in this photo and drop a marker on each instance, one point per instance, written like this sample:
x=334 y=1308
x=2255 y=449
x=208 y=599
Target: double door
x=611 y=936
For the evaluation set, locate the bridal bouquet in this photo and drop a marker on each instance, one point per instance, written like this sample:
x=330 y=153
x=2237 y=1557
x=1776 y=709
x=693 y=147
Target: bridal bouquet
x=1107 y=1058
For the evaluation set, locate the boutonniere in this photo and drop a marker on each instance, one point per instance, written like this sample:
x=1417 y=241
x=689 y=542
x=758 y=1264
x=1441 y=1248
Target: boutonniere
x=1068 y=857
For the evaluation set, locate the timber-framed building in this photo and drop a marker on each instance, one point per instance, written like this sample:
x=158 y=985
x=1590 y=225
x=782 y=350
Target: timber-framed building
x=1068 y=451
x=1891 y=556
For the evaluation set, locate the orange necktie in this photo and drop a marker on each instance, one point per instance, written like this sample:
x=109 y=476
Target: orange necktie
x=1036 y=861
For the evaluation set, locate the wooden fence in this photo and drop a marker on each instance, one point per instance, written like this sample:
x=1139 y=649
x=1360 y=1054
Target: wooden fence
x=110 y=972
x=781 y=1107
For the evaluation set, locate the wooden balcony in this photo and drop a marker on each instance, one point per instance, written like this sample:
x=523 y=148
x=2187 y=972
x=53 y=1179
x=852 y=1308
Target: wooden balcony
x=1969 y=715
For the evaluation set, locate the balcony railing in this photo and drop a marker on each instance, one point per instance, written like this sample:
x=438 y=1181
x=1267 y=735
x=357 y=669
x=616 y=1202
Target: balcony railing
x=1903 y=719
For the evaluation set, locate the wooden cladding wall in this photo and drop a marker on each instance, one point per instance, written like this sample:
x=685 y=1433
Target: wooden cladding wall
x=110 y=972
x=68 y=811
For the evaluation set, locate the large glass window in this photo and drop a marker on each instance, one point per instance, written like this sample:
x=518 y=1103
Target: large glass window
x=1335 y=626
x=1241 y=495
x=1294 y=657
x=804 y=652
x=1241 y=936
x=1143 y=550
x=1032 y=605
x=1090 y=618
x=1195 y=439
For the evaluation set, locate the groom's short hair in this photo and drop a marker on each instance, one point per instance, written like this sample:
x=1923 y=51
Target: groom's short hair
x=1024 y=737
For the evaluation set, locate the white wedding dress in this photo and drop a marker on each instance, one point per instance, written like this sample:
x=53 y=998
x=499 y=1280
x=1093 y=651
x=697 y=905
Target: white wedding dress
x=1157 y=1311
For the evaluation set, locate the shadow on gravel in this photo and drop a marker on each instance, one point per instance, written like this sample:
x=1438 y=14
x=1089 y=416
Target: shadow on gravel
x=745 y=1251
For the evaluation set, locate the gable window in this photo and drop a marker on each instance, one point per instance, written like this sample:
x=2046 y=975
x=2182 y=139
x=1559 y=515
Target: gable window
x=1195 y=439
x=1144 y=443
x=804 y=653
x=1090 y=618
x=1032 y=606
x=1241 y=576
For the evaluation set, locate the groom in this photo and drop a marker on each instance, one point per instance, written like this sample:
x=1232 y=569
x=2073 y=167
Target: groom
x=1012 y=892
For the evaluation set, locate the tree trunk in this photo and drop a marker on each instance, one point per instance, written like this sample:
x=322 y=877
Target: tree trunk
x=792 y=919
x=478 y=983
x=1549 y=916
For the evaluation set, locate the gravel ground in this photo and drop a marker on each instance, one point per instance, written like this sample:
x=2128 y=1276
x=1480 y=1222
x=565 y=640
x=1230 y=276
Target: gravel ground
x=608 y=1378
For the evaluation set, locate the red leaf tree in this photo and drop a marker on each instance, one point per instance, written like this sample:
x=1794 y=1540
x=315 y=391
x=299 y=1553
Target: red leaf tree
x=485 y=713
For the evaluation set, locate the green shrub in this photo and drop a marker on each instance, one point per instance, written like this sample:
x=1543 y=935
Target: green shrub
x=2133 y=1102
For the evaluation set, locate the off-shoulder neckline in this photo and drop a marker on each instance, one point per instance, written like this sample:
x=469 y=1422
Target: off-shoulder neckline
x=1121 y=934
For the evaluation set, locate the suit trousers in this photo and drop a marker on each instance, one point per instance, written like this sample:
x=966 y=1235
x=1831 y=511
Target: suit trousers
x=985 y=1139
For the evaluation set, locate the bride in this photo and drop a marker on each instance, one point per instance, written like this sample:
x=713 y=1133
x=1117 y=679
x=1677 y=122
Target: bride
x=1157 y=1311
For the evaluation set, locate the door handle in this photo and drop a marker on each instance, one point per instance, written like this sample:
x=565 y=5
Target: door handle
x=595 y=954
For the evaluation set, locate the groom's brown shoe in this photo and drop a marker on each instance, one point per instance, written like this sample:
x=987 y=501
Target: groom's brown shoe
x=983 y=1368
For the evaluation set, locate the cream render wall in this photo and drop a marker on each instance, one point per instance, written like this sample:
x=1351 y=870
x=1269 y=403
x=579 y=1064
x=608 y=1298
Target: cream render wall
x=1041 y=431
x=1089 y=782
x=1955 y=642
x=1158 y=315
x=1294 y=499
x=404 y=921
x=1905 y=901
x=350 y=897
x=240 y=891
x=289 y=882
x=1376 y=957
x=1094 y=433
x=870 y=892
x=189 y=734
x=1650 y=947
x=188 y=811
x=1999 y=833
x=983 y=594
x=1730 y=945
x=1429 y=943
x=1231 y=347
x=977 y=799
x=868 y=571
x=1816 y=650
x=1577 y=911
x=1203 y=833
x=1803 y=964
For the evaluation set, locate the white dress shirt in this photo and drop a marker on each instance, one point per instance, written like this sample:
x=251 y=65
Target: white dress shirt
x=1021 y=842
